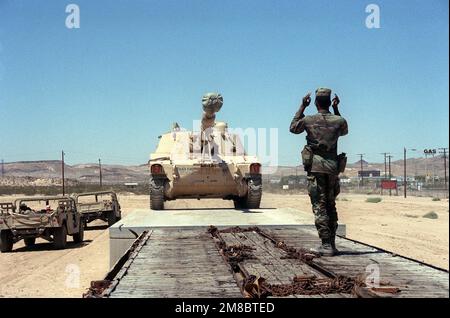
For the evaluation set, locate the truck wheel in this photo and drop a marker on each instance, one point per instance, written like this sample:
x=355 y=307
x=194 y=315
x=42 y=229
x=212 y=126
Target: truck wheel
x=6 y=241
x=79 y=237
x=254 y=193
x=112 y=218
x=29 y=241
x=156 y=194
x=60 y=237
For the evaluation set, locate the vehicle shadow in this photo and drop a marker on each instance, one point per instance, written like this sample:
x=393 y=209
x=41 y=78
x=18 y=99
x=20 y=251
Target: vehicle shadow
x=96 y=227
x=48 y=246
x=215 y=209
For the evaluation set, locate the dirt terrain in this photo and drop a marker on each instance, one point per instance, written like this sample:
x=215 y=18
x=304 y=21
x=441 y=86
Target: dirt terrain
x=395 y=224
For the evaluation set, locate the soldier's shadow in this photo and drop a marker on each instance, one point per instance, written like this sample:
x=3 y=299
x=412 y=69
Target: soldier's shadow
x=343 y=252
x=249 y=211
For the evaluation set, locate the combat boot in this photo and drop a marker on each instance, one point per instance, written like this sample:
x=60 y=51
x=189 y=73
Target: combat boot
x=325 y=249
x=333 y=245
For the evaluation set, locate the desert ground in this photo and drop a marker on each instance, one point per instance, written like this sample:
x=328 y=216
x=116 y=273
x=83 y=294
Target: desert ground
x=395 y=224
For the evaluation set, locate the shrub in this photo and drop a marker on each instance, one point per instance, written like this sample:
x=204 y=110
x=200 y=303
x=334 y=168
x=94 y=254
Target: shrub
x=436 y=199
x=431 y=215
x=374 y=200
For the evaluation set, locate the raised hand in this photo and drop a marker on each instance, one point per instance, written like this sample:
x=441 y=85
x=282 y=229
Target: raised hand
x=335 y=102
x=306 y=100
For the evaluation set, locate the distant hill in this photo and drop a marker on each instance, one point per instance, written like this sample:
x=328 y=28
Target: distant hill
x=414 y=167
x=49 y=172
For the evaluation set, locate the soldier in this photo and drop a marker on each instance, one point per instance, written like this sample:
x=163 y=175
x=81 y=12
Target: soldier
x=322 y=163
x=23 y=208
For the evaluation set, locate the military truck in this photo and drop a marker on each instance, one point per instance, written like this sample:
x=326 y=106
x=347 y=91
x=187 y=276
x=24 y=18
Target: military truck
x=209 y=163
x=51 y=218
x=102 y=205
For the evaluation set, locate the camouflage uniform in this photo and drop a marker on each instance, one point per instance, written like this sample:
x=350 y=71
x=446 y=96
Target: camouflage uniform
x=323 y=130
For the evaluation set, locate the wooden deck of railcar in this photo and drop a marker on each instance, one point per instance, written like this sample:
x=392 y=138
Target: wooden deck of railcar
x=188 y=263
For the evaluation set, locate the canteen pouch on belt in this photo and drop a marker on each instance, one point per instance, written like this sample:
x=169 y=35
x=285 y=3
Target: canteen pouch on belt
x=342 y=162
x=307 y=158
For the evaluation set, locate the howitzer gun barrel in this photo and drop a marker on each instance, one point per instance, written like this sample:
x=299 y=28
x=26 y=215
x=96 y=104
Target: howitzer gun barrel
x=212 y=103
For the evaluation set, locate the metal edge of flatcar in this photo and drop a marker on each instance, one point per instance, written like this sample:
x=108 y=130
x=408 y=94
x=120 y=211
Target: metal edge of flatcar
x=103 y=288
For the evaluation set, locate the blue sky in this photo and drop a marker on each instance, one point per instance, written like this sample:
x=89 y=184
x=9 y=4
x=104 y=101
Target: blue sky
x=111 y=87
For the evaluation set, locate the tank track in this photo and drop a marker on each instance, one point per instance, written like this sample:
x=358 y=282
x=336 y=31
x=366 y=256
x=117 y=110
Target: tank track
x=157 y=194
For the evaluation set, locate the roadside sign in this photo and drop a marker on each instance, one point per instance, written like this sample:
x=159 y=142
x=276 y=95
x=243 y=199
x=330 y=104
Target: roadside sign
x=388 y=184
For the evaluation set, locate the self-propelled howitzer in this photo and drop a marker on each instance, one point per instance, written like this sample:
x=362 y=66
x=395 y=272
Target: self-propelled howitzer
x=210 y=163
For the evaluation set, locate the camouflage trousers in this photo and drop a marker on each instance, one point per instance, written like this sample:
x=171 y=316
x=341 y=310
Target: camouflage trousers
x=323 y=189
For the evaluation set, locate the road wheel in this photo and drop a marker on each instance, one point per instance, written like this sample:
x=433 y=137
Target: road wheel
x=60 y=237
x=79 y=237
x=156 y=194
x=254 y=193
x=6 y=241
x=29 y=241
x=112 y=218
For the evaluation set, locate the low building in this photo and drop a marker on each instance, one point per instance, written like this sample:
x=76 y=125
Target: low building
x=369 y=173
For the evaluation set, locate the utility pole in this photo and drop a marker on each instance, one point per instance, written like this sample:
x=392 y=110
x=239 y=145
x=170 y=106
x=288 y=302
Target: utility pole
x=390 y=172
x=444 y=152
x=3 y=168
x=385 y=163
x=404 y=172
x=434 y=170
x=361 y=162
x=62 y=171
x=389 y=164
x=100 y=167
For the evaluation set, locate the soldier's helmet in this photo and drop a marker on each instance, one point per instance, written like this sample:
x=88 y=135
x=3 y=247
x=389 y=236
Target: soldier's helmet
x=212 y=102
x=323 y=97
x=323 y=91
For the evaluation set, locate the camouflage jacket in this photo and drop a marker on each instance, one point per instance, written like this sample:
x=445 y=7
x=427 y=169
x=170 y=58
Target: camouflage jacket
x=322 y=133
